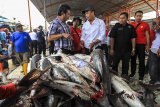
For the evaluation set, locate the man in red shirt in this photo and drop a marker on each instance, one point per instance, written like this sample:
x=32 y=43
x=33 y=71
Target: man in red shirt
x=76 y=34
x=142 y=44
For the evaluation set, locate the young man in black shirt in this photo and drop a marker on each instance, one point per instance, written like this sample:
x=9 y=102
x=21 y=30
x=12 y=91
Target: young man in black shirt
x=41 y=41
x=122 y=41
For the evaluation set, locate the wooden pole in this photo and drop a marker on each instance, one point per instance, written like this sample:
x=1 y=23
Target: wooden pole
x=45 y=14
x=157 y=8
x=30 y=24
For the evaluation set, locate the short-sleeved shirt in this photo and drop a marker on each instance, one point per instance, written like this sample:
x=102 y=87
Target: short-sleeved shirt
x=33 y=36
x=21 y=41
x=141 y=32
x=41 y=36
x=76 y=34
x=59 y=27
x=123 y=35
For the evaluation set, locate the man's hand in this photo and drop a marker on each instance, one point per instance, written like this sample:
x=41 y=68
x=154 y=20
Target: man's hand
x=158 y=53
x=91 y=45
x=147 y=48
x=67 y=36
x=111 y=52
x=133 y=52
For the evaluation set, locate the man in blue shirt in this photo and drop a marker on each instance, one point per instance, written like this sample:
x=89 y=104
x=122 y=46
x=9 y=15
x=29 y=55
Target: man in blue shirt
x=21 y=41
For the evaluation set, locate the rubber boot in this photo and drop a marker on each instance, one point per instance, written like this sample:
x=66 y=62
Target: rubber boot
x=25 y=66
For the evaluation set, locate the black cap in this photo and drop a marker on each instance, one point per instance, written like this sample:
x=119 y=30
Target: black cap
x=77 y=18
x=88 y=8
x=19 y=24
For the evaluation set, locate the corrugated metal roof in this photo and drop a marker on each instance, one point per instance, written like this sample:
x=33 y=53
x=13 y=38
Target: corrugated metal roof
x=109 y=7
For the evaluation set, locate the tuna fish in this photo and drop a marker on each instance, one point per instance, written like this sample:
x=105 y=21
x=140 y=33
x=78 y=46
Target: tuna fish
x=129 y=96
x=34 y=61
x=103 y=70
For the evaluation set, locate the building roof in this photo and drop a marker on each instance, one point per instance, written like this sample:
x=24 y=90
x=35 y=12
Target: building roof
x=110 y=8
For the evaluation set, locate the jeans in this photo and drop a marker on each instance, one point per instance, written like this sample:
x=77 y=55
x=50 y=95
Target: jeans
x=140 y=52
x=154 y=67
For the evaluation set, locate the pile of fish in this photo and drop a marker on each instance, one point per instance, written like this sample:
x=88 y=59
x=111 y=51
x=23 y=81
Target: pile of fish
x=73 y=81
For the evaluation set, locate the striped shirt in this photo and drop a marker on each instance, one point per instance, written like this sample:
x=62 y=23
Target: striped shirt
x=59 y=27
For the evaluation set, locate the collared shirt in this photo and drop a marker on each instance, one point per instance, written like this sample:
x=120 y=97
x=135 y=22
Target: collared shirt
x=59 y=27
x=141 y=32
x=91 y=32
x=122 y=35
x=21 y=41
x=156 y=43
x=33 y=36
x=76 y=34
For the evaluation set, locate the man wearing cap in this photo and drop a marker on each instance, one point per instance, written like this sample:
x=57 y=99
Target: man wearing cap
x=76 y=34
x=21 y=41
x=93 y=32
x=60 y=31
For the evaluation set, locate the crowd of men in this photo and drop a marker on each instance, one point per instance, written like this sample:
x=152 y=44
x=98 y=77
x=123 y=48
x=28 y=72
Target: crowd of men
x=127 y=41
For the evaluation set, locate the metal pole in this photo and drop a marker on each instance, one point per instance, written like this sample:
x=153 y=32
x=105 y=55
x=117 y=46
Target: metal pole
x=29 y=16
x=45 y=14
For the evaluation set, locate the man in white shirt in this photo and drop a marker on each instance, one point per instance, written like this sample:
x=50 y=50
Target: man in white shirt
x=93 y=32
x=34 y=39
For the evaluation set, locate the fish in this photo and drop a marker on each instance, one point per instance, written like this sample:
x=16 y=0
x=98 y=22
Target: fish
x=129 y=96
x=66 y=58
x=86 y=71
x=84 y=57
x=73 y=89
x=100 y=63
x=66 y=71
x=34 y=61
x=148 y=94
x=57 y=73
x=25 y=83
x=44 y=63
x=76 y=89
x=73 y=77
